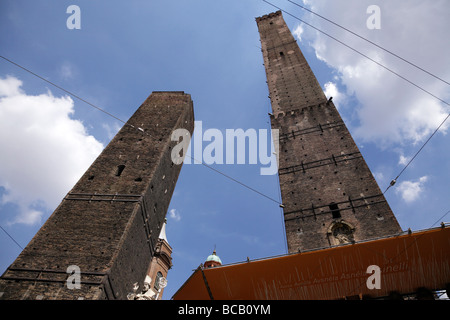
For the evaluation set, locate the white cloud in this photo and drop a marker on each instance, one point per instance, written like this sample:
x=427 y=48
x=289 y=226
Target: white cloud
x=66 y=71
x=403 y=160
x=331 y=90
x=174 y=214
x=111 y=130
x=411 y=190
x=391 y=110
x=43 y=151
x=298 y=31
x=379 y=177
x=10 y=86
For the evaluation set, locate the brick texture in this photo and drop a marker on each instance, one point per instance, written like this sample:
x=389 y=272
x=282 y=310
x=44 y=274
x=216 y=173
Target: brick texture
x=329 y=194
x=108 y=224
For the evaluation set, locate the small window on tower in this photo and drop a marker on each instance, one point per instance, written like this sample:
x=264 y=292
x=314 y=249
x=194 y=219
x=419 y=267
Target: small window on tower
x=120 y=170
x=281 y=53
x=335 y=210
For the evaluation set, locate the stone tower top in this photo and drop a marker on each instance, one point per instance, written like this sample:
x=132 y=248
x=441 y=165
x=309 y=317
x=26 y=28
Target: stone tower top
x=292 y=84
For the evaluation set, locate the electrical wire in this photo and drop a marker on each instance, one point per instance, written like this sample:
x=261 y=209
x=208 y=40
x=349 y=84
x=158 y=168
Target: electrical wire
x=110 y=114
x=141 y=130
x=388 y=69
x=227 y=176
x=360 y=53
x=11 y=238
x=62 y=89
x=371 y=42
x=417 y=153
x=233 y=179
x=397 y=56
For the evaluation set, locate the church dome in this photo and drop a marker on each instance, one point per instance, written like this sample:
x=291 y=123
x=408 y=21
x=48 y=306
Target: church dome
x=213 y=260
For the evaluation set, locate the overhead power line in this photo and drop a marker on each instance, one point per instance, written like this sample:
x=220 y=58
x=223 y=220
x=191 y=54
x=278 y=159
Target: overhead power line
x=11 y=238
x=417 y=153
x=62 y=89
x=371 y=42
x=141 y=130
x=250 y=188
x=360 y=53
x=237 y=181
x=388 y=69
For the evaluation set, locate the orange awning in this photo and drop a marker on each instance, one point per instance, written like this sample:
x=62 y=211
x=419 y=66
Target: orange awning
x=406 y=262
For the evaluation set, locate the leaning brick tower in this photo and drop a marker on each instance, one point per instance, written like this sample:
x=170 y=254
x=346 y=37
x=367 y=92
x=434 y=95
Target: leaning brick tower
x=107 y=226
x=329 y=194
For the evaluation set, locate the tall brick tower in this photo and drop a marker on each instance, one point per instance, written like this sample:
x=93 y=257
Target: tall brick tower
x=329 y=194
x=107 y=227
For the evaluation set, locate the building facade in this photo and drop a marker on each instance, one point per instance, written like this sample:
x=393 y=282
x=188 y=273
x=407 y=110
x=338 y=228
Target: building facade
x=101 y=239
x=160 y=265
x=329 y=194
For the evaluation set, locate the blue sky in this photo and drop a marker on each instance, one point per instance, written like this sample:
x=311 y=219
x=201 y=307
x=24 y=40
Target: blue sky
x=210 y=49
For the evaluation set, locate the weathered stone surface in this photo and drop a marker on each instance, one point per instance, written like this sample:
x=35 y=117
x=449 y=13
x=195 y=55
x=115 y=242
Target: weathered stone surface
x=329 y=194
x=109 y=223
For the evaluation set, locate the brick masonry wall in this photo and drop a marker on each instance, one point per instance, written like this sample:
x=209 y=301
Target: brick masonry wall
x=109 y=223
x=319 y=163
x=161 y=262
